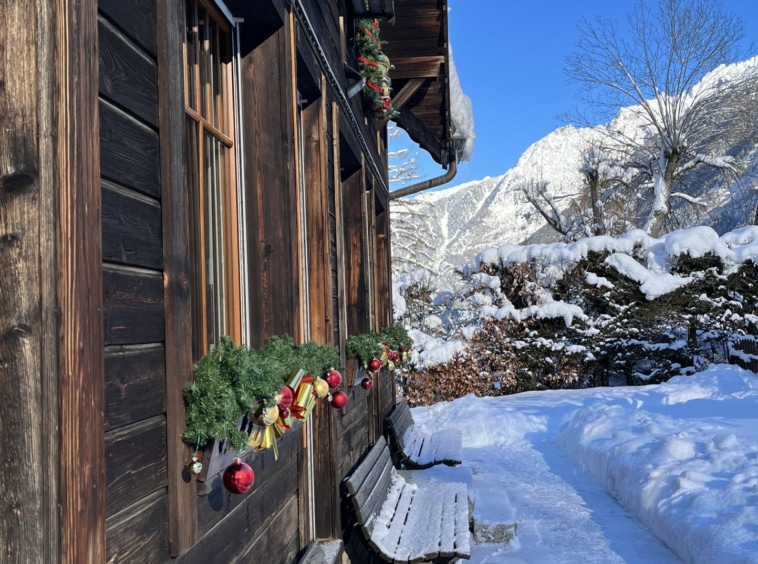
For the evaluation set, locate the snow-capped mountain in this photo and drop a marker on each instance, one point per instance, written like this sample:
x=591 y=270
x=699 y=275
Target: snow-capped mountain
x=444 y=229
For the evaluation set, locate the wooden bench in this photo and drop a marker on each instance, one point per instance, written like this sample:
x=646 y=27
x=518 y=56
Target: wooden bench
x=407 y=522
x=416 y=449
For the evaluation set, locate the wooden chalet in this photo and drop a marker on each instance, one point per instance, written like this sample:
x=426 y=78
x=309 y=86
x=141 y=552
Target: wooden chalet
x=172 y=171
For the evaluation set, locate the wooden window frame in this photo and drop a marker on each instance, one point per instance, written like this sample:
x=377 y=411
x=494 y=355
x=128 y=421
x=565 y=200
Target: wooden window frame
x=209 y=108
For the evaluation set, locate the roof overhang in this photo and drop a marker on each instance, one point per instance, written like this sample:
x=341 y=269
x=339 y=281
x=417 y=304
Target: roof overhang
x=417 y=46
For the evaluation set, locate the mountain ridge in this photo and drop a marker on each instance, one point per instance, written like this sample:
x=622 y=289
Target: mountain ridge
x=458 y=222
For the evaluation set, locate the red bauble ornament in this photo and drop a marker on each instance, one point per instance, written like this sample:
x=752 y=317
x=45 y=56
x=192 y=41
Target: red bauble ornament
x=284 y=413
x=286 y=398
x=375 y=364
x=333 y=378
x=367 y=383
x=339 y=399
x=238 y=477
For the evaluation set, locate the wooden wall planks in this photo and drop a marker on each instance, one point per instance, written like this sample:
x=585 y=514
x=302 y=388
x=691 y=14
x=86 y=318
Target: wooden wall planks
x=136 y=18
x=273 y=273
x=132 y=306
x=135 y=384
x=128 y=151
x=29 y=405
x=132 y=231
x=135 y=462
x=223 y=516
x=79 y=282
x=139 y=533
x=128 y=77
x=355 y=265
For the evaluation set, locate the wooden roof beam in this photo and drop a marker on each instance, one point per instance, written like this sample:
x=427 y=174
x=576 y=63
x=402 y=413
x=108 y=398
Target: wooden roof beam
x=405 y=94
x=417 y=67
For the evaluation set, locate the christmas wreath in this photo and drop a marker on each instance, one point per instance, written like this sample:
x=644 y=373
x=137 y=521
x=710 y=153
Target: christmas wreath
x=374 y=66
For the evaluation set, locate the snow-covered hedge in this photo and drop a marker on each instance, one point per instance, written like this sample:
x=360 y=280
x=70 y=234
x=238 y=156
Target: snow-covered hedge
x=603 y=310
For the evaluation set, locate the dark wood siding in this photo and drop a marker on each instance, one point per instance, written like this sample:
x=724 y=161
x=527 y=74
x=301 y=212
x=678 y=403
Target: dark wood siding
x=383 y=271
x=259 y=526
x=133 y=289
x=355 y=257
x=271 y=194
x=332 y=187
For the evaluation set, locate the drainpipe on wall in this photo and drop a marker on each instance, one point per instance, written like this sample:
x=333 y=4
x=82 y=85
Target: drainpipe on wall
x=452 y=170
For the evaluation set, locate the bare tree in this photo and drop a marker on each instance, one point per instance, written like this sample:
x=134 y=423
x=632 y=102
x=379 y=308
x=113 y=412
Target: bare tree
x=557 y=214
x=411 y=239
x=658 y=68
x=403 y=161
x=608 y=201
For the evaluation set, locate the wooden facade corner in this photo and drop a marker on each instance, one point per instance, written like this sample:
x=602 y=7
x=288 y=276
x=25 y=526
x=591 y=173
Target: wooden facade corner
x=102 y=287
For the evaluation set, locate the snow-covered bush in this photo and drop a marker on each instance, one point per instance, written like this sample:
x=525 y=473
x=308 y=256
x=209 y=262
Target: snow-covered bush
x=600 y=311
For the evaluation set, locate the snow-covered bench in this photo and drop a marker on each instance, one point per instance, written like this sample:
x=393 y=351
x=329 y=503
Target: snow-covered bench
x=323 y=552
x=406 y=522
x=416 y=449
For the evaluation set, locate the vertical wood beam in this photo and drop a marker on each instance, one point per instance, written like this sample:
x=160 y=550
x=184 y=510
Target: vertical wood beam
x=302 y=331
x=383 y=272
x=29 y=402
x=317 y=202
x=79 y=287
x=369 y=229
x=182 y=495
x=341 y=298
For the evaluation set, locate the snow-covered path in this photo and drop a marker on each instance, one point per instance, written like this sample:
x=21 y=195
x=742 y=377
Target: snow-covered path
x=639 y=475
x=563 y=515
x=518 y=474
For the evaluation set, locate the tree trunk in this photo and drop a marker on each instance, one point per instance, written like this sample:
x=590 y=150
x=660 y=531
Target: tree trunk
x=598 y=221
x=662 y=185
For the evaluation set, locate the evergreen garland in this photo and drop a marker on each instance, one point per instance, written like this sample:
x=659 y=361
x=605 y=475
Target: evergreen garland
x=397 y=338
x=367 y=346
x=233 y=381
x=374 y=66
x=364 y=347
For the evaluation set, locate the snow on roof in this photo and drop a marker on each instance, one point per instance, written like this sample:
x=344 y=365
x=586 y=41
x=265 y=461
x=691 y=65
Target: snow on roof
x=461 y=113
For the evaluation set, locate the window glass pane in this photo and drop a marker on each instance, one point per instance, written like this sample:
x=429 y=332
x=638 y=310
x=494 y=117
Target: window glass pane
x=210 y=178
x=214 y=239
x=190 y=52
x=213 y=74
x=202 y=33
x=192 y=129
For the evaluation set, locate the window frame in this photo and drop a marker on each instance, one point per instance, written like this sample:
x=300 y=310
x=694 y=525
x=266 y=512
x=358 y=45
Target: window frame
x=210 y=85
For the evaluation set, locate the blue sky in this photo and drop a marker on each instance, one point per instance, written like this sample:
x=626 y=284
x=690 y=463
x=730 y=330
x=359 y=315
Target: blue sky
x=510 y=56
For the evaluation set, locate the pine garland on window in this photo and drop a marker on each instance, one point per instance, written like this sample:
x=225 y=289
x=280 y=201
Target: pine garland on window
x=234 y=381
x=391 y=344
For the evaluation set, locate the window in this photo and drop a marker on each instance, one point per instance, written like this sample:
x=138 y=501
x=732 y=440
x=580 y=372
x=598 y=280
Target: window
x=211 y=178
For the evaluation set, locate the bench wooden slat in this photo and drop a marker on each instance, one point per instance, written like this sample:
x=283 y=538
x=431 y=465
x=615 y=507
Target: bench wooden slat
x=355 y=481
x=323 y=552
x=419 y=450
x=454 y=521
x=405 y=522
x=386 y=537
x=402 y=419
x=447 y=446
x=369 y=499
x=432 y=501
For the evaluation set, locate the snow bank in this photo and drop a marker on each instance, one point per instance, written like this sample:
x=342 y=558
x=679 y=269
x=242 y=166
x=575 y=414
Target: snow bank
x=680 y=457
